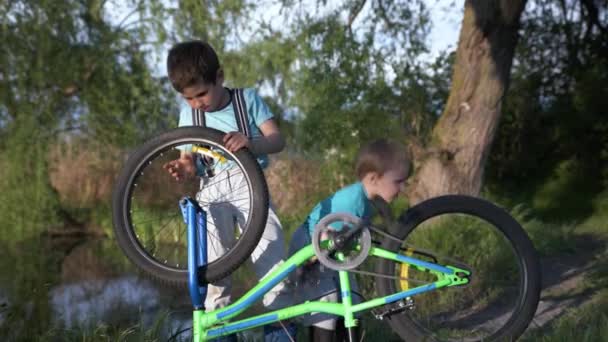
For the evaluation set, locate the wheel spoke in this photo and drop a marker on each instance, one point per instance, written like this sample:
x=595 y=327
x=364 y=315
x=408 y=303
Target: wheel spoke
x=155 y=219
x=461 y=231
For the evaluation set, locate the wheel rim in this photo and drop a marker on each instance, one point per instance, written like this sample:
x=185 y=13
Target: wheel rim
x=152 y=214
x=484 y=309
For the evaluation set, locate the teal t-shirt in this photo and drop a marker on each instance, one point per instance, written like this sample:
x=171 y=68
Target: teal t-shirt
x=225 y=121
x=351 y=199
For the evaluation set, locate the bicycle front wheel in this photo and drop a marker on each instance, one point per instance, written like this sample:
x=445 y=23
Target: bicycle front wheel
x=470 y=233
x=148 y=223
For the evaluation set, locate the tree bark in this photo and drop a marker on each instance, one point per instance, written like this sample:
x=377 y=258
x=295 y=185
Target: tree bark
x=454 y=160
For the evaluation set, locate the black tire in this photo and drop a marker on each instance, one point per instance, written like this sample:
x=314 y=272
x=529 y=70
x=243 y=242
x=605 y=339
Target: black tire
x=141 y=216
x=482 y=300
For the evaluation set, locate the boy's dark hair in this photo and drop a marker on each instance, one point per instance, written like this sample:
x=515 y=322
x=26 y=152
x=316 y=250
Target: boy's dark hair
x=379 y=156
x=192 y=62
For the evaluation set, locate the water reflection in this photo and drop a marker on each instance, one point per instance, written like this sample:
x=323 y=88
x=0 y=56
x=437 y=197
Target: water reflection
x=88 y=283
x=3 y=306
x=114 y=302
x=110 y=301
x=99 y=286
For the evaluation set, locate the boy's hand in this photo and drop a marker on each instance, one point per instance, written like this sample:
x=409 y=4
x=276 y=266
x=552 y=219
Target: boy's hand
x=235 y=141
x=181 y=168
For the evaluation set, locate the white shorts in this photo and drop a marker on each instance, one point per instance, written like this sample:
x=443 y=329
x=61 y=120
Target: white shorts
x=229 y=209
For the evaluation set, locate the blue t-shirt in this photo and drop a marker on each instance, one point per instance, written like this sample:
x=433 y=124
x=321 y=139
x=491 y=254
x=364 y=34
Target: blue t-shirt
x=351 y=199
x=225 y=121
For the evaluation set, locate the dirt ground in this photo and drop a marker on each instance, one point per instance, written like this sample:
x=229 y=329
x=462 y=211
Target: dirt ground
x=564 y=281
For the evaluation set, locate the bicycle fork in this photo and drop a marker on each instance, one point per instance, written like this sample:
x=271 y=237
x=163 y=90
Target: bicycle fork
x=196 y=222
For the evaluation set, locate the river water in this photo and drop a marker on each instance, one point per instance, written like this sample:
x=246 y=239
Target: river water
x=85 y=283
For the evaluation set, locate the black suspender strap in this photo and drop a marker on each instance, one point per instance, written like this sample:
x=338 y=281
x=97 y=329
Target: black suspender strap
x=198 y=118
x=240 y=113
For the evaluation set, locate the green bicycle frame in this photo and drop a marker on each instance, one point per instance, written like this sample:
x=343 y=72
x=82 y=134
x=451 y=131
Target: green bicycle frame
x=217 y=323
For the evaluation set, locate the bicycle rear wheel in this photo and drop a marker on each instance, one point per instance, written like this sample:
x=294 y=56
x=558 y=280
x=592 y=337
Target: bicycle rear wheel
x=469 y=233
x=148 y=223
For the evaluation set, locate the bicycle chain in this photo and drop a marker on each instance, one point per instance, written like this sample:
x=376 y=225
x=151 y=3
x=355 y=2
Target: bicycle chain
x=381 y=275
x=443 y=257
x=415 y=281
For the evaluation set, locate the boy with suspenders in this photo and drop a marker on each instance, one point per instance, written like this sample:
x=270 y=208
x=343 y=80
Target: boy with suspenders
x=194 y=71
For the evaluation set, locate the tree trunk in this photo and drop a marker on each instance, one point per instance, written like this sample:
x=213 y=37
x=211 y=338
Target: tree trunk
x=453 y=162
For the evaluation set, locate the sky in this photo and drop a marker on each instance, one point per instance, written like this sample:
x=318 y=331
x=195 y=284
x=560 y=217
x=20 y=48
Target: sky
x=446 y=24
x=446 y=16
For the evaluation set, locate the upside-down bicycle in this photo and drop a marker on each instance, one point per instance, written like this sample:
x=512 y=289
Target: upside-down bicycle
x=452 y=268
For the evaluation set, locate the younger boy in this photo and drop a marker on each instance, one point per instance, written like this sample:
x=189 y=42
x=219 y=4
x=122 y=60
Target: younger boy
x=194 y=71
x=382 y=168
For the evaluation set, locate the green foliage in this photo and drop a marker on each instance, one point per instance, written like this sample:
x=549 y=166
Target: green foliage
x=338 y=98
x=27 y=202
x=218 y=22
x=552 y=138
x=568 y=191
x=596 y=223
x=352 y=85
x=26 y=275
x=76 y=70
x=67 y=69
x=548 y=238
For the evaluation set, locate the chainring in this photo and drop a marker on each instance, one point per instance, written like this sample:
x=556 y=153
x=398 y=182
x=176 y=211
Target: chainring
x=352 y=254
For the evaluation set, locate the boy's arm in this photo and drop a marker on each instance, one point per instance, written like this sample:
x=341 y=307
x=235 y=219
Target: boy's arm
x=271 y=141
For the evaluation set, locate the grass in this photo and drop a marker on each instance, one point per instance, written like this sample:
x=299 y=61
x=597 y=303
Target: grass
x=596 y=223
x=157 y=331
x=548 y=238
x=585 y=324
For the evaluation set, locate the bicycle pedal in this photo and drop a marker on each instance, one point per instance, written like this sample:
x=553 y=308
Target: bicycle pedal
x=398 y=307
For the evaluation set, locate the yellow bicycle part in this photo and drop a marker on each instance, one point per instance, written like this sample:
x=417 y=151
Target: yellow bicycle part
x=405 y=270
x=209 y=153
